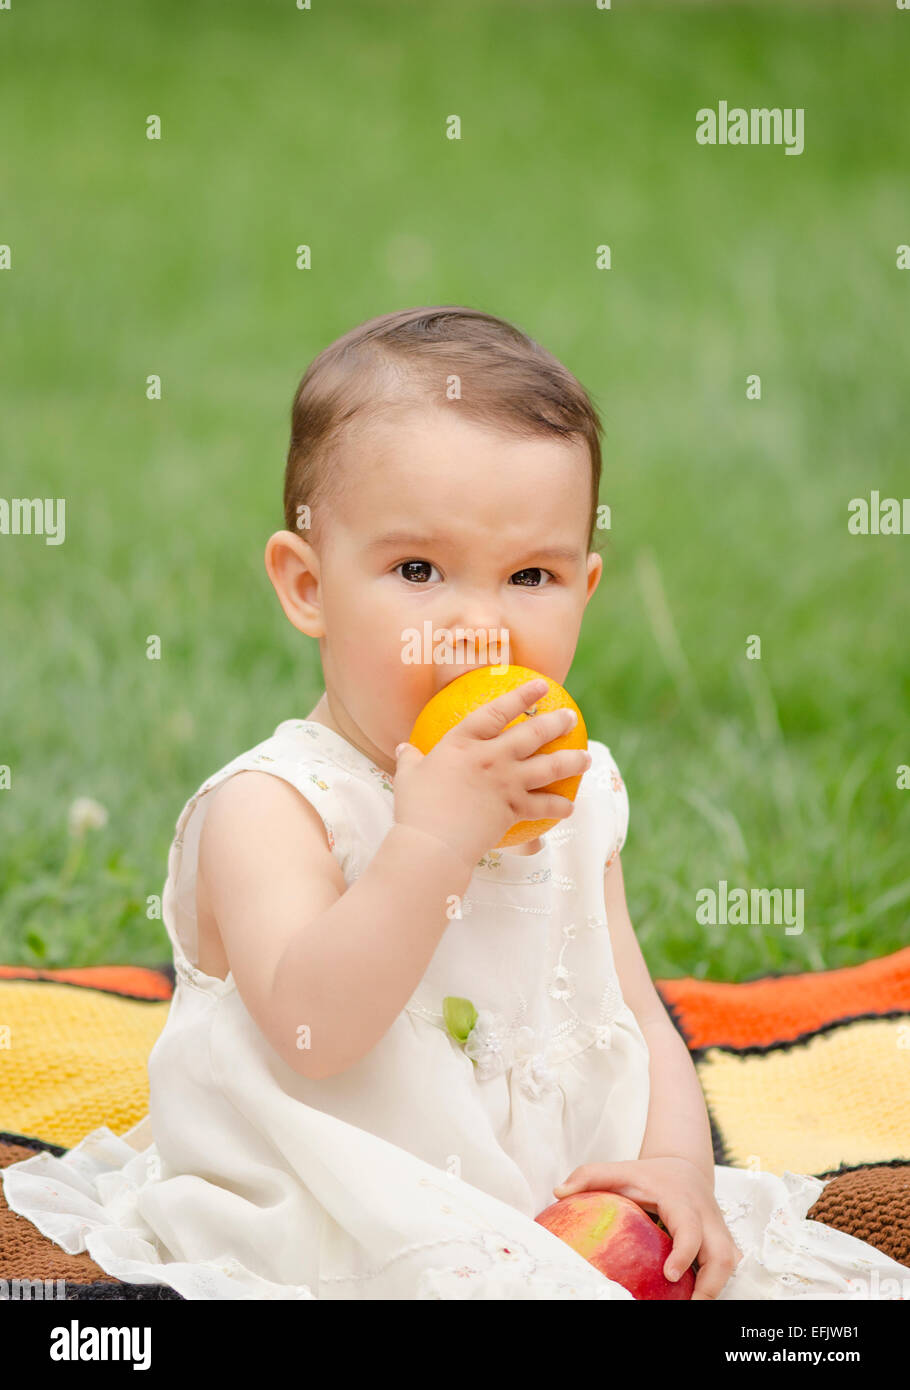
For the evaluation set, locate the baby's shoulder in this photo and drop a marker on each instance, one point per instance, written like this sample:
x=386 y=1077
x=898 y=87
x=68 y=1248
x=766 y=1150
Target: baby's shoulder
x=258 y=805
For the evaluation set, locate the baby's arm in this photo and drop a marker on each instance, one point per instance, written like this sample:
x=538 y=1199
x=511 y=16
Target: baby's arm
x=305 y=950
x=674 y=1172
x=678 y=1123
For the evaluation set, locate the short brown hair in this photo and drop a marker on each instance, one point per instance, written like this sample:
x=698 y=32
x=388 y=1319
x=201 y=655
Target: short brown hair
x=400 y=360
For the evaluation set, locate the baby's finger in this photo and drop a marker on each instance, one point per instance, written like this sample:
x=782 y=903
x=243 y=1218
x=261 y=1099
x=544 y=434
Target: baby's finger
x=489 y=720
x=716 y=1262
x=688 y=1239
x=551 y=767
x=597 y=1177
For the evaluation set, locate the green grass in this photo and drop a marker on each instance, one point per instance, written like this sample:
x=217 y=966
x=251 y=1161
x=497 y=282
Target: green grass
x=729 y=516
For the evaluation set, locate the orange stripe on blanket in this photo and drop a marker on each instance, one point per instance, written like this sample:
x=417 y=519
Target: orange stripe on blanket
x=117 y=979
x=772 y=1010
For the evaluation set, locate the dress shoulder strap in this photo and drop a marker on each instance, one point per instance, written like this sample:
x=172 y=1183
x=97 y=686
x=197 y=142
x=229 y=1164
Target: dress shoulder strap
x=608 y=792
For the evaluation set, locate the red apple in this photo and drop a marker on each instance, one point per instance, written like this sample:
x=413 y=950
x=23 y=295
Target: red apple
x=620 y=1239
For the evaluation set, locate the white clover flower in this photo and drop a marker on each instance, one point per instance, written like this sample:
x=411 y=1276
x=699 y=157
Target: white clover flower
x=86 y=814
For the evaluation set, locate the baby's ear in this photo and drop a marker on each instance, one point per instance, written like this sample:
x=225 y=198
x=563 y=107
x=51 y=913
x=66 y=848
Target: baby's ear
x=595 y=571
x=292 y=566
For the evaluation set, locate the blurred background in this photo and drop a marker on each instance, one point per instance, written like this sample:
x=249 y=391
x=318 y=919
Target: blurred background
x=326 y=126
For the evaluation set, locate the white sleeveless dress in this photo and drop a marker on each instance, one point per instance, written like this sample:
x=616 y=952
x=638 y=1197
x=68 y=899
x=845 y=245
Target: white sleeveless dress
x=416 y=1173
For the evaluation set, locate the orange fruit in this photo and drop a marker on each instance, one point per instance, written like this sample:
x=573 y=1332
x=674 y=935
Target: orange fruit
x=478 y=687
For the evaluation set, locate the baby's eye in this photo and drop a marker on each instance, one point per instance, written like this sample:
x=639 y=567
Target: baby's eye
x=413 y=566
x=529 y=584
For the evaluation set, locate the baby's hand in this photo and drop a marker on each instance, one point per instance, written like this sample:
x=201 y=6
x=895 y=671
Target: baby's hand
x=483 y=775
x=683 y=1197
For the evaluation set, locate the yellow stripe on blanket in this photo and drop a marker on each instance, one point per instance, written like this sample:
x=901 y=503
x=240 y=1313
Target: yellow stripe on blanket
x=840 y=1097
x=72 y=1059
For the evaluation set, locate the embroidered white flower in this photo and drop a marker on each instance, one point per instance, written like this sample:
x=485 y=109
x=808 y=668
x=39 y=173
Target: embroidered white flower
x=494 y=1049
x=534 y=1077
x=487 y=1045
x=561 y=986
x=507 y=1251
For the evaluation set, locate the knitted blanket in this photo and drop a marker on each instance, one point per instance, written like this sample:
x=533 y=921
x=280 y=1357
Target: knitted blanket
x=807 y=1072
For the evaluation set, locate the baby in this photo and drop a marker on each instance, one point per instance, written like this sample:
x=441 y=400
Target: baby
x=449 y=471
x=320 y=1125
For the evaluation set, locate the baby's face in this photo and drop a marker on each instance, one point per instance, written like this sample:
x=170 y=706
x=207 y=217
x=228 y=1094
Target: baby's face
x=448 y=526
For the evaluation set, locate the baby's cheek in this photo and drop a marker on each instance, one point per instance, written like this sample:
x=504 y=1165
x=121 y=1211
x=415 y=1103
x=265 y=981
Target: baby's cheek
x=392 y=683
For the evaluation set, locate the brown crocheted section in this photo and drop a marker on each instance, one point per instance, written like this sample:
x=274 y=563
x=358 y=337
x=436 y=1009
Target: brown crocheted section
x=26 y=1254
x=871 y=1203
